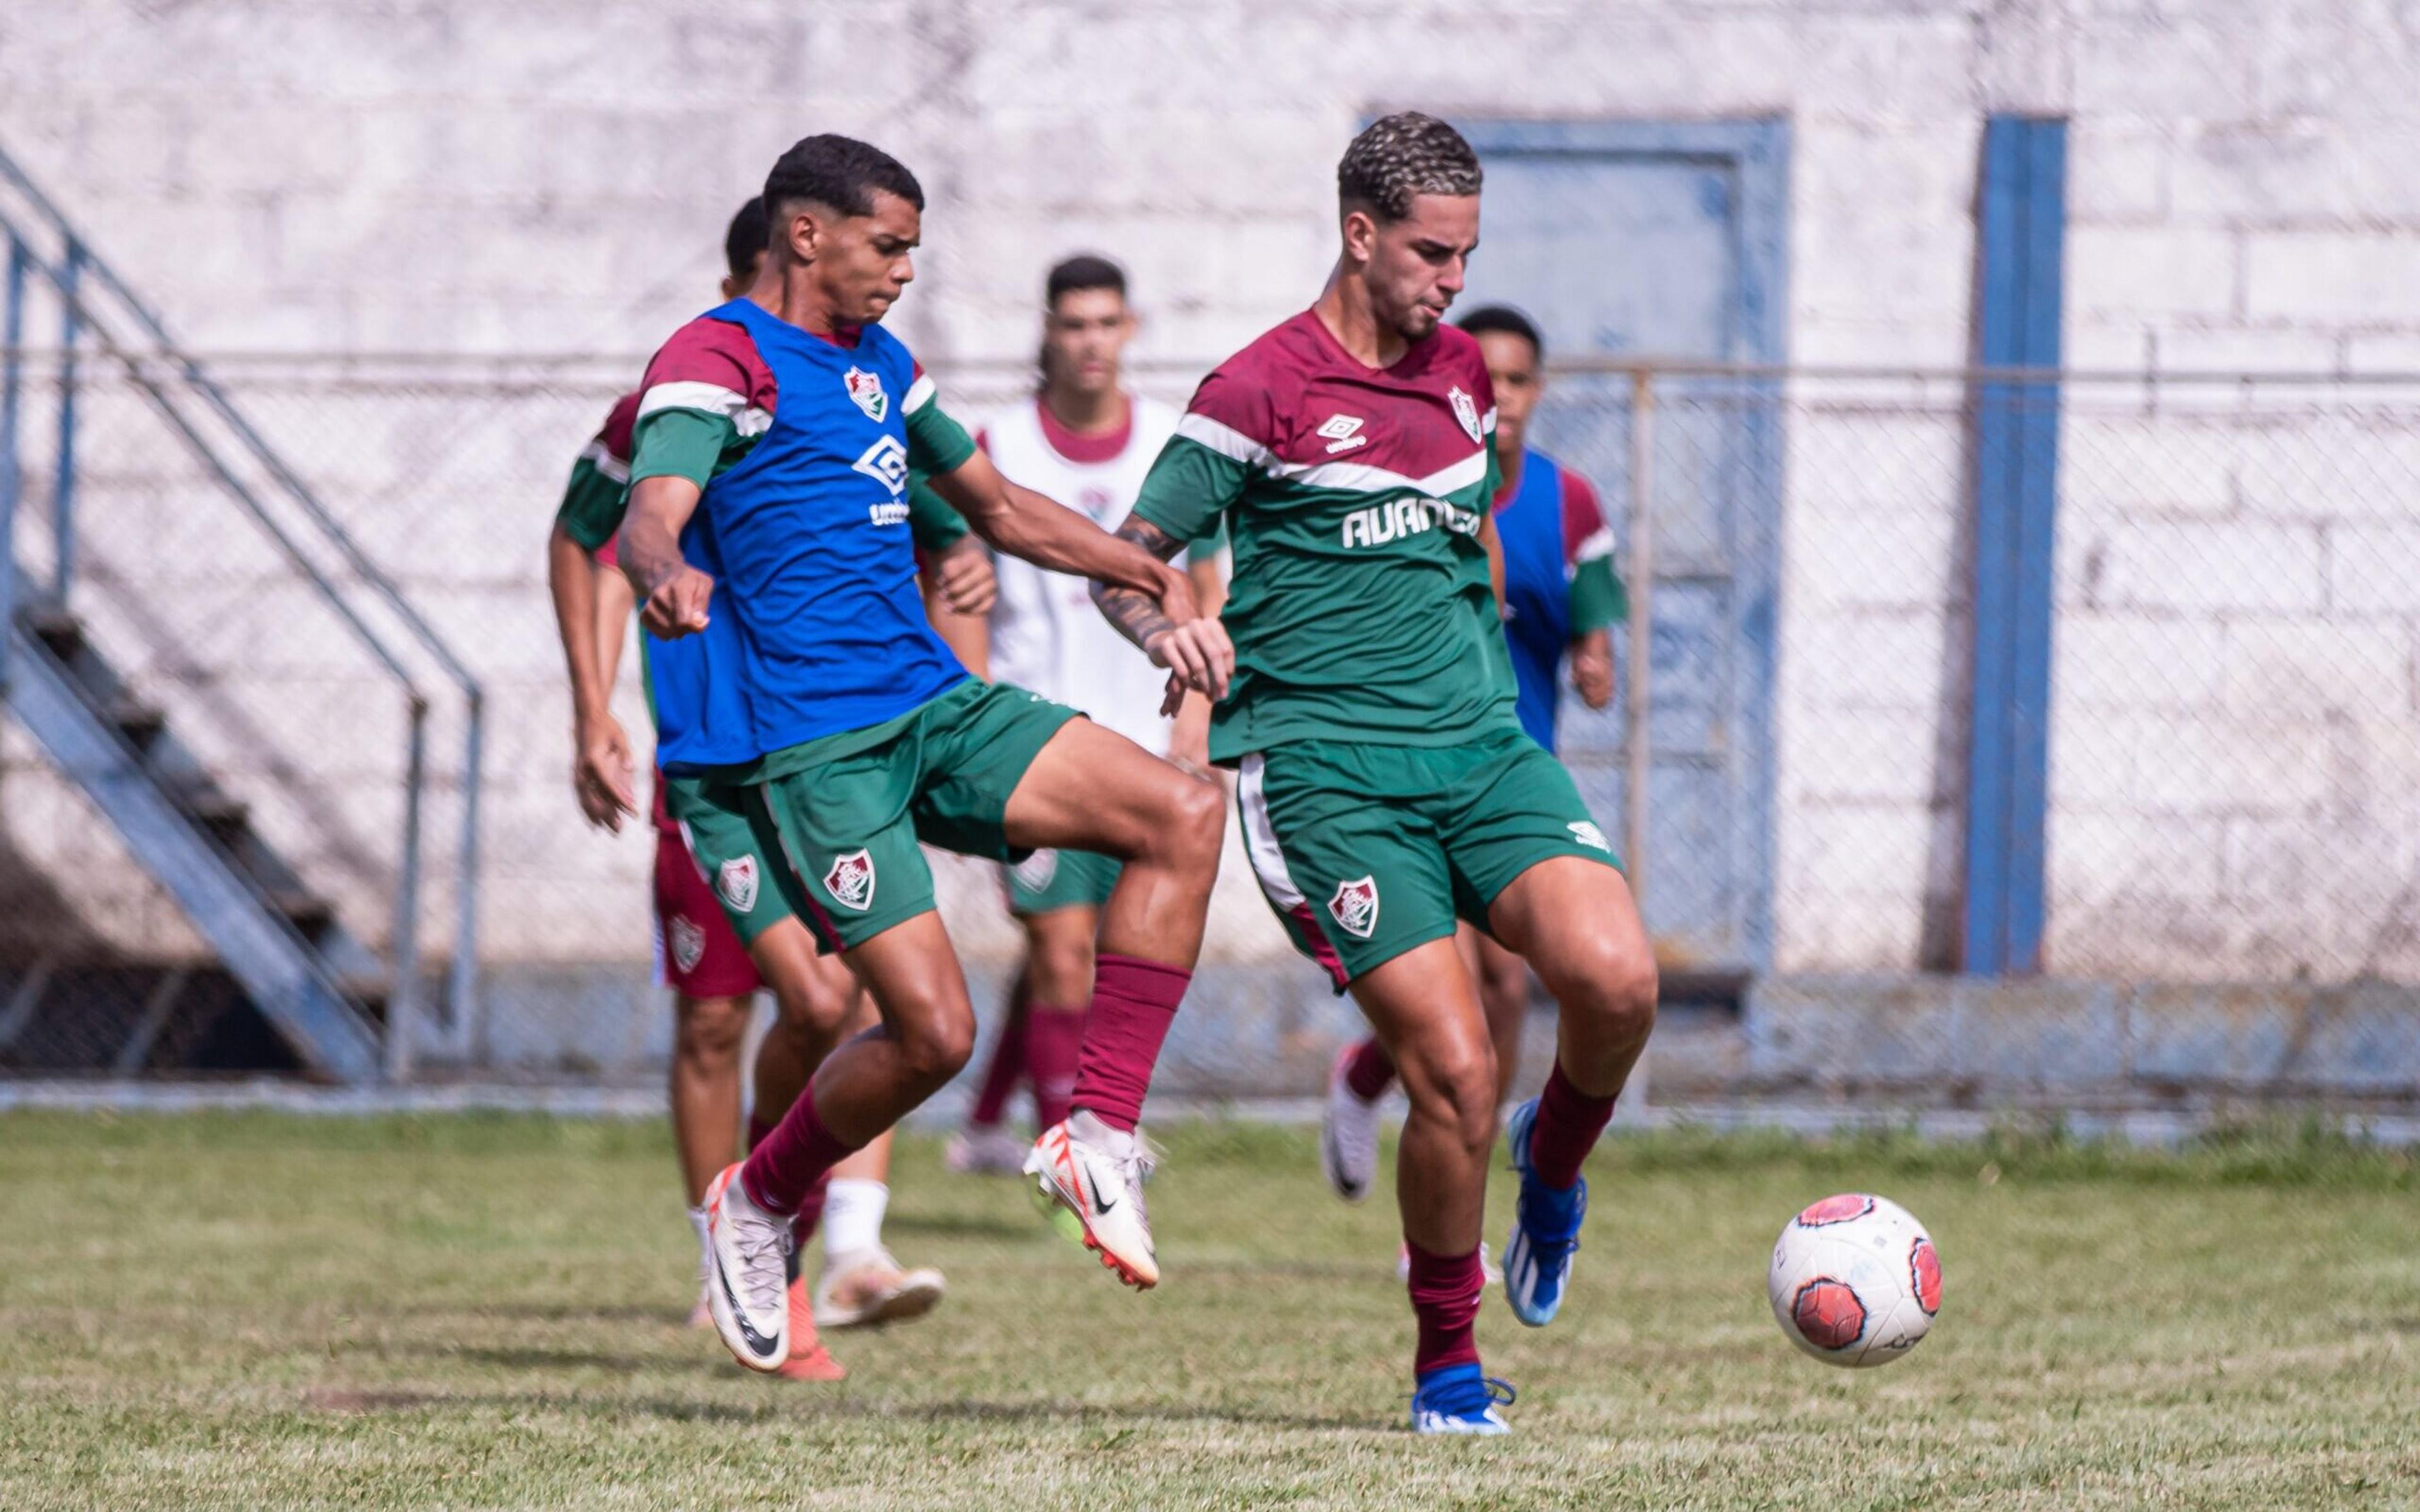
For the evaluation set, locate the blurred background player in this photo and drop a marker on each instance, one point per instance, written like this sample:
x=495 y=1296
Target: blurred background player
x=1560 y=597
x=1085 y=440
x=713 y=974
x=786 y=424
x=1385 y=785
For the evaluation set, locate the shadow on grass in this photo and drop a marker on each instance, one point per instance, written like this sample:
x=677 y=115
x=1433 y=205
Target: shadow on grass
x=793 y=1404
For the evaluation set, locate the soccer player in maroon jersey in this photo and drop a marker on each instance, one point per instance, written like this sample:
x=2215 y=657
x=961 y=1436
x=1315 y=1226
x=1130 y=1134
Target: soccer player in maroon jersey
x=1385 y=784
x=713 y=974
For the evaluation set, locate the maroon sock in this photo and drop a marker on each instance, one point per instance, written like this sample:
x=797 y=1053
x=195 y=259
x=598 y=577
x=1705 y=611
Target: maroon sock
x=1009 y=1055
x=1446 y=1289
x=1133 y=1004
x=782 y=1169
x=1369 y=1070
x=1568 y=1122
x=760 y=1129
x=811 y=1210
x=1054 y=1042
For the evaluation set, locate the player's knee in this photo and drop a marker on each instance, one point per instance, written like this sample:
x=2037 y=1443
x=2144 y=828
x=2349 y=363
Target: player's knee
x=707 y=1032
x=1454 y=1084
x=814 y=1007
x=938 y=1048
x=1616 y=988
x=1195 y=824
x=1062 y=970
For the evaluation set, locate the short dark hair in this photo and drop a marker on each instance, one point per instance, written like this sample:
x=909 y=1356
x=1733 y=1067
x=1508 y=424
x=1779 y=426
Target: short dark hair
x=840 y=172
x=750 y=233
x=1401 y=155
x=1504 y=320
x=1083 y=271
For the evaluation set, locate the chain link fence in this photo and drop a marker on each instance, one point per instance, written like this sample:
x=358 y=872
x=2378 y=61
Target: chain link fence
x=2230 y=730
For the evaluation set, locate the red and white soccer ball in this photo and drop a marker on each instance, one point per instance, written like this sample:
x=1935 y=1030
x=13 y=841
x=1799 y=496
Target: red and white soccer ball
x=1855 y=1280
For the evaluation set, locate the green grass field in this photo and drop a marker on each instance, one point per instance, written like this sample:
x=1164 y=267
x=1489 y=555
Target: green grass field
x=251 y=1311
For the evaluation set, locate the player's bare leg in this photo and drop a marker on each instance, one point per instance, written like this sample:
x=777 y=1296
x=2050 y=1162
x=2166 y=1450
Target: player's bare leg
x=859 y=1284
x=985 y=1146
x=1060 y=955
x=1090 y=789
x=1575 y=923
x=1426 y=1010
x=705 y=1095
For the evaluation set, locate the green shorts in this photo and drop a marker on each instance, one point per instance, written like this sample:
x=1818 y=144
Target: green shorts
x=845 y=812
x=1048 y=880
x=724 y=845
x=1366 y=850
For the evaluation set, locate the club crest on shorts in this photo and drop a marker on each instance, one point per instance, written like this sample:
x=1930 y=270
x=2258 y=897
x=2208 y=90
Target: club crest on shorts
x=850 y=881
x=1588 y=834
x=1465 y=409
x=1354 y=907
x=688 y=943
x=865 y=390
x=736 y=880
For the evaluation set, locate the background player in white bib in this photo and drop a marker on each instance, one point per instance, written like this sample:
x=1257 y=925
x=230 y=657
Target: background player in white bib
x=1082 y=439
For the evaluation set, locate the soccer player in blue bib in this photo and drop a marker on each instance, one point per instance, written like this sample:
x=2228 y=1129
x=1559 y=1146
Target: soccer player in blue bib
x=768 y=508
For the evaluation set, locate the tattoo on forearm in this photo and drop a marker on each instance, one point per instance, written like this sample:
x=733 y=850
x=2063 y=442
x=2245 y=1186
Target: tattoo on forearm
x=1136 y=614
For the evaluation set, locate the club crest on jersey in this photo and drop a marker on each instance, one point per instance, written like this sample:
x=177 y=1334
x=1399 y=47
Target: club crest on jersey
x=850 y=881
x=1354 y=907
x=1343 y=433
x=1465 y=409
x=865 y=388
x=736 y=880
x=688 y=943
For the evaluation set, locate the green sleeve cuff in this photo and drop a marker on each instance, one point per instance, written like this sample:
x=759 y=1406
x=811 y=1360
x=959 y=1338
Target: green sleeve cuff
x=1598 y=598
x=1188 y=489
x=937 y=444
x=592 y=506
x=935 y=526
x=680 y=443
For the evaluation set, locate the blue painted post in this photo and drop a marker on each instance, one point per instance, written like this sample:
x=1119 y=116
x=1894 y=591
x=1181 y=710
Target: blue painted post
x=63 y=476
x=12 y=341
x=2021 y=240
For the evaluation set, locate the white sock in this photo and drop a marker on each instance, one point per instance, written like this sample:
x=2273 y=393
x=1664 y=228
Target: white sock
x=705 y=1244
x=1096 y=1131
x=853 y=1211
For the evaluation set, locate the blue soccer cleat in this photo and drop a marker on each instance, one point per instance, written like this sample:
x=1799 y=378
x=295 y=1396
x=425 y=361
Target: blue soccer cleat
x=1456 y=1398
x=1545 y=1232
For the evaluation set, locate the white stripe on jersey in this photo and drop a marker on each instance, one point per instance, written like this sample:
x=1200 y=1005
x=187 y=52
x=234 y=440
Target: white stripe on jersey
x=609 y=467
x=919 y=394
x=1598 y=544
x=711 y=399
x=1235 y=446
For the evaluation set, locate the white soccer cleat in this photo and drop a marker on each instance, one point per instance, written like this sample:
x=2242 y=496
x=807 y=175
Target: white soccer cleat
x=749 y=1290
x=1348 y=1137
x=986 y=1152
x=869 y=1287
x=1096 y=1173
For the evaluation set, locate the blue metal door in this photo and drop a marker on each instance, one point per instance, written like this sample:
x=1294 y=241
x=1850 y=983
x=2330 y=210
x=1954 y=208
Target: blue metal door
x=1642 y=241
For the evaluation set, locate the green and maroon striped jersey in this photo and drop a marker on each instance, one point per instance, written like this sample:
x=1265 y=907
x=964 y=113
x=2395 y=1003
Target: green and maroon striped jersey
x=1360 y=604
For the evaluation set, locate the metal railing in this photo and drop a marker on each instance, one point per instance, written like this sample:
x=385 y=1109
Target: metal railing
x=98 y=307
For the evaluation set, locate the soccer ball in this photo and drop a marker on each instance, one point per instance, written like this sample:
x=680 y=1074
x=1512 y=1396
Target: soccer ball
x=1855 y=1280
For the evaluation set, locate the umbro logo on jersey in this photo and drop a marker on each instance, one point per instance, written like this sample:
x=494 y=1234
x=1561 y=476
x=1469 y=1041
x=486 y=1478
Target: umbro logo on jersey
x=886 y=462
x=1354 y=907
x=1465 y=409
x=865 y=388
x=1343 y=433
x=850 y=881
x=1588 y=834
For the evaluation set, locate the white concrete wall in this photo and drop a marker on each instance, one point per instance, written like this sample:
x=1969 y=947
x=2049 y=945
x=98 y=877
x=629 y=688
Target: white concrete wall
x=334 y=175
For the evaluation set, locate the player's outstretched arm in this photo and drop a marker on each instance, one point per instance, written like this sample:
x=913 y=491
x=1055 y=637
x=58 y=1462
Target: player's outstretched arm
x=1048 y=534
x=1169 y=641
x=601 y=751
x=671 y=593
